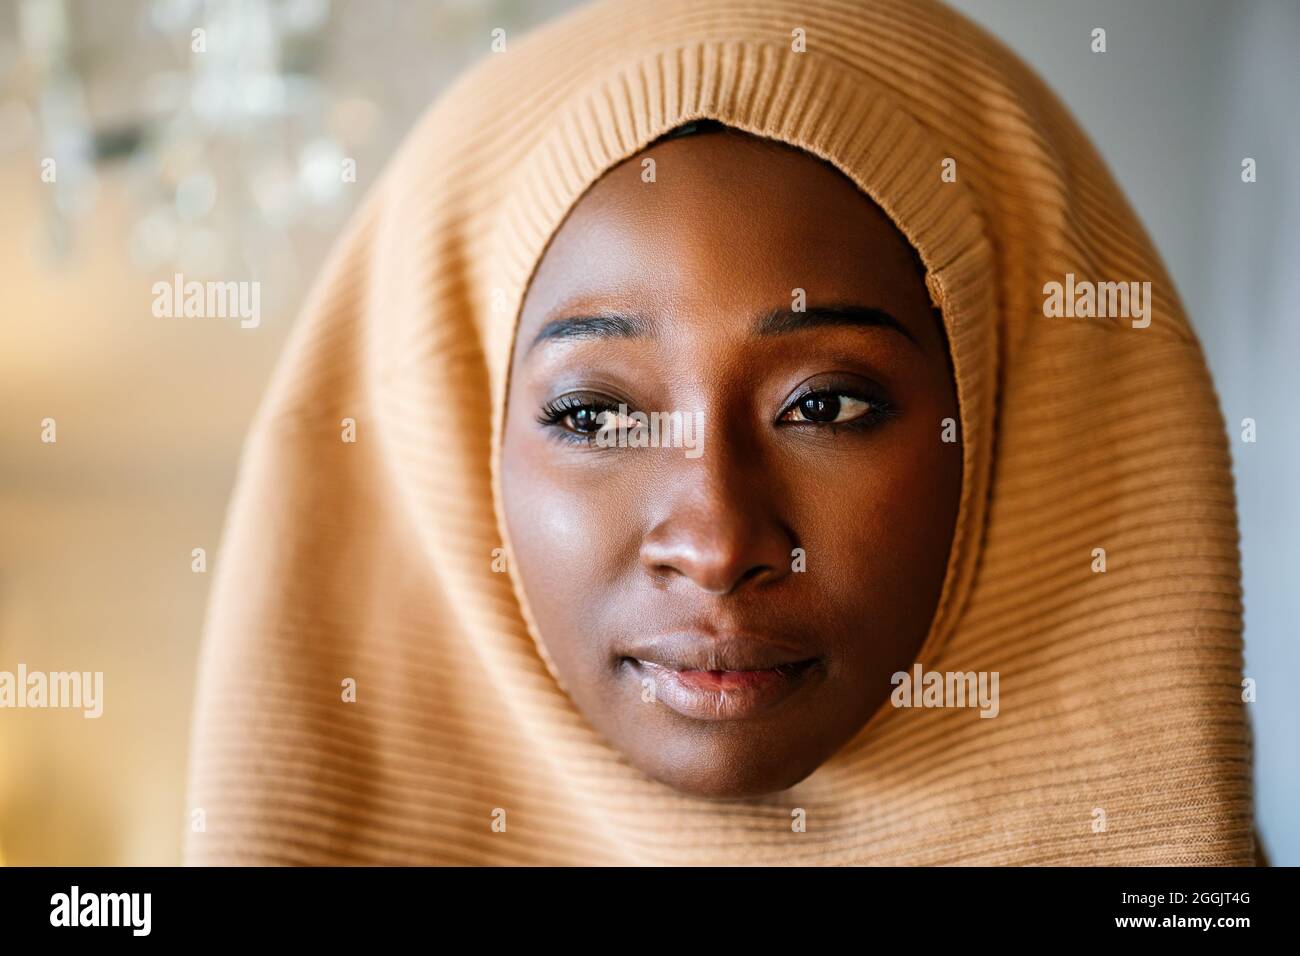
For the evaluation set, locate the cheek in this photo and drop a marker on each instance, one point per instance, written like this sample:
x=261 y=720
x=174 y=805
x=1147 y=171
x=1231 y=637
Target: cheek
x=569 y=538
x=914 y=505
x=882 y=539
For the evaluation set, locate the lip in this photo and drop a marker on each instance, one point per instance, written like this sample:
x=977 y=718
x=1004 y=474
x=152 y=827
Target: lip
x=726 y=694
x=705 y=651
x=722 y=678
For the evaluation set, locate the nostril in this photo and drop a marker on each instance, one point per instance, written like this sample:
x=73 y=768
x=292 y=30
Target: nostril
x=753 y=574
x=663 y=574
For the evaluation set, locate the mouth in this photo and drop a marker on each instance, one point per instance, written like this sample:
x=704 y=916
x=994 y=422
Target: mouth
x=712 y=679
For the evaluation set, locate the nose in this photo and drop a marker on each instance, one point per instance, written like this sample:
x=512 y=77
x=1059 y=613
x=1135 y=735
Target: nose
x=721 y=530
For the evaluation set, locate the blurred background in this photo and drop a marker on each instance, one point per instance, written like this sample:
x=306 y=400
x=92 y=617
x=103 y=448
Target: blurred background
x=226 y=163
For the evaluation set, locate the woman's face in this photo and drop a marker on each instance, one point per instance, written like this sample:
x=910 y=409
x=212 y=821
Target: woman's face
x=728 y=613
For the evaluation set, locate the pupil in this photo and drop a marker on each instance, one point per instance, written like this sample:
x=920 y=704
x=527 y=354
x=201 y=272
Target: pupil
x=586 y=420
x=821 y=408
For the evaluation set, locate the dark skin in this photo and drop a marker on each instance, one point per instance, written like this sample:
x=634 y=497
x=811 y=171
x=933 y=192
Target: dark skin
x=822 y=433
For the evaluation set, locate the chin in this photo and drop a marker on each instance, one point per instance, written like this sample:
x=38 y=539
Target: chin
x=713 y=776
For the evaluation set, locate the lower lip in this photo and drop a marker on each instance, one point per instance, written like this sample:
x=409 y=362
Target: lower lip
x=723 y=695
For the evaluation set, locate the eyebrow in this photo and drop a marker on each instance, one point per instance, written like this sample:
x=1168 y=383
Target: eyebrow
x=608 y=325
x=612 y=325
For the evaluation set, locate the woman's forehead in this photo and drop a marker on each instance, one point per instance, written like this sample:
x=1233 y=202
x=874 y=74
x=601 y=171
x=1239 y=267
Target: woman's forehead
x=723 y=219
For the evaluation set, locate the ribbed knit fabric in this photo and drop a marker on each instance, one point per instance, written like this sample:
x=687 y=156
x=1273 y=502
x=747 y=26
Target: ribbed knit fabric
x=373 y=560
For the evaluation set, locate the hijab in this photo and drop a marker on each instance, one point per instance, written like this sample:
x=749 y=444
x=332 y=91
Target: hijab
x=372 y=689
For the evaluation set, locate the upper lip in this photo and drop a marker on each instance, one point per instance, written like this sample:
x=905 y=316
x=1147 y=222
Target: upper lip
x=695 y=651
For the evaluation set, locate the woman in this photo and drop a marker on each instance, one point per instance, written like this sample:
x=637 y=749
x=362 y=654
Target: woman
x=683 y=455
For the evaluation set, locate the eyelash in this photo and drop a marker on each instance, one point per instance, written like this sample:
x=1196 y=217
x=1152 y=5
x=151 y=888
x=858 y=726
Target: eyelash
x=879 y=409
x=554 y=412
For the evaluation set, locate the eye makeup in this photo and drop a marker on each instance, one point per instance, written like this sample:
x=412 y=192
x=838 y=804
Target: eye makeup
x=837 y=402
x=826 y=402
x=577 y=417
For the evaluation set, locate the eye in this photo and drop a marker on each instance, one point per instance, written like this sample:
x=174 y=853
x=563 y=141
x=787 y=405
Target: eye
x=828 y=408
x=583 y=416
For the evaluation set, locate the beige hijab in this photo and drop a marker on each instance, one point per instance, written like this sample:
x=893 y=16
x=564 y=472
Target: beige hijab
x=372 y=689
